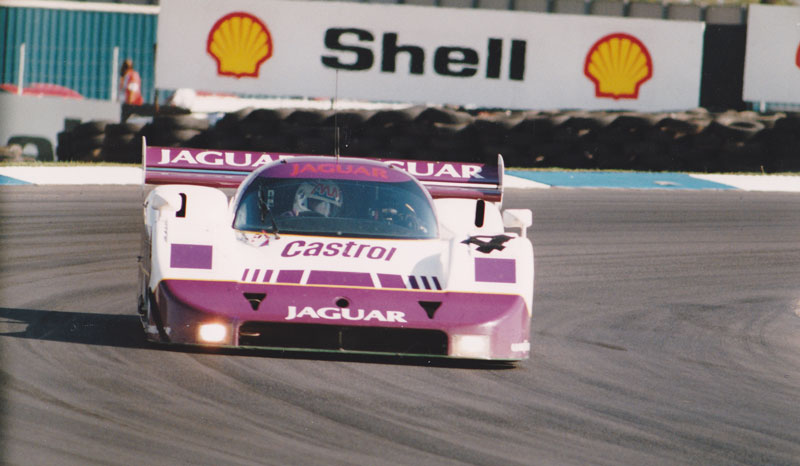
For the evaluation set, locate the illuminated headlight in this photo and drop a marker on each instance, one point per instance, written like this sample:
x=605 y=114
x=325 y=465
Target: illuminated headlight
x=471 y=346
x=212 y=333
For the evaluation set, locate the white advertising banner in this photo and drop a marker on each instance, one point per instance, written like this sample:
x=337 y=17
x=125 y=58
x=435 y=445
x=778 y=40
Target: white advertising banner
x=404 y=53
x=772 y=54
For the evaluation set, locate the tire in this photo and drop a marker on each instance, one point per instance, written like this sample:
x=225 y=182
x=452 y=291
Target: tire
x=180 y=122
x=113 y=130
x=738 y=128
x=262 y=120
x=531 y=130
x=364 y=146
x=91 y=128
x=576 y=126
x=625 y=128
x=390 y=120
x=316 y=145
x=157 y=136
x=272 y=143
x=88 y=143
x=307 y=118
x=495 y=128
x=433 y=115
x=118 y=140
x=404 y=146
x=44 y=148
x=230 y=122
x=64 y=147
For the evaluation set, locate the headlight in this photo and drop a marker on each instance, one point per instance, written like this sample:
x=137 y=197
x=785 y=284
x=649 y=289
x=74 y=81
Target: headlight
x=212 y=333
x=472 y=346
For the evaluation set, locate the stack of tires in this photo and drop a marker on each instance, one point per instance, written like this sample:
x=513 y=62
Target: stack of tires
x=444 y=134
x=175 y=130
x=84 y=142
x=257 y=130
x=779 y=142
x=388 y=133
x=696 y=140
x=123 y=144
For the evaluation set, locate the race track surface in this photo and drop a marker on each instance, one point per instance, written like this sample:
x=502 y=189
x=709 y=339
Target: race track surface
x=665 y=331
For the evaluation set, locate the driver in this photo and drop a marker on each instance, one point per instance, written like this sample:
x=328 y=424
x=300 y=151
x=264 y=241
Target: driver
x=322 y=198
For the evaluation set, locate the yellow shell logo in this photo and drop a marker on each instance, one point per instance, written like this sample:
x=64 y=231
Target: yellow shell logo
x=618 y=64
x=240 y=43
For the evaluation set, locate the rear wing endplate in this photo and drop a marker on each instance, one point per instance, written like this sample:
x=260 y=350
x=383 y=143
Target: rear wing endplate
x=227 y=169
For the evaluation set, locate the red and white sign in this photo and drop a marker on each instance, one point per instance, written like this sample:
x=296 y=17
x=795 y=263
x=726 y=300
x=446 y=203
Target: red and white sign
x=772 y=54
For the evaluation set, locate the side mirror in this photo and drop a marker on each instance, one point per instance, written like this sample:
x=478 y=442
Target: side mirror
x=168 y=200
x=518 y=218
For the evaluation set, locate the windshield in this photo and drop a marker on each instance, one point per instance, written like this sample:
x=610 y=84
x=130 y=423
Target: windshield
x=336 y=208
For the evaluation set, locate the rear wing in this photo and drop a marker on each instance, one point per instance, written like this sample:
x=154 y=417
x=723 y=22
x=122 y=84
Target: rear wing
x=227 y=169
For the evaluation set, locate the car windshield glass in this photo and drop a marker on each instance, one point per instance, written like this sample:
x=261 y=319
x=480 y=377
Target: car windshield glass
x=336 y=208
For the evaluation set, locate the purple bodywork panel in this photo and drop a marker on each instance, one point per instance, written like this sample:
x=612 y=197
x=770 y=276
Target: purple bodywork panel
x=190 y=256
x=184 y=304
x=495 y=270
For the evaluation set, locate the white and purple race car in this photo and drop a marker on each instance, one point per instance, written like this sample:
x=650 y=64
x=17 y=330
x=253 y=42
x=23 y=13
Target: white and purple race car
x=334 y=254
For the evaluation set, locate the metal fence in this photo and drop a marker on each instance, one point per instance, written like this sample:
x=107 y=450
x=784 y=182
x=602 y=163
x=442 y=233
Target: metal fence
x=81 y=49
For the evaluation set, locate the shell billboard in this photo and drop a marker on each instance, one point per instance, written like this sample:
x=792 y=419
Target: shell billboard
x=772 y=54
x=429 y=55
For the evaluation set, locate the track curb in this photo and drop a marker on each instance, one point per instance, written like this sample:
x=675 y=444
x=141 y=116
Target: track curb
x=515 y=179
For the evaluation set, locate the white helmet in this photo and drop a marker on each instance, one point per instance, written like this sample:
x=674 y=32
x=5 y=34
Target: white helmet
x=320 y=197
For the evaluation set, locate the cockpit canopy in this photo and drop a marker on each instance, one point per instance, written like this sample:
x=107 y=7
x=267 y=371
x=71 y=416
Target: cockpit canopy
x=348 y=197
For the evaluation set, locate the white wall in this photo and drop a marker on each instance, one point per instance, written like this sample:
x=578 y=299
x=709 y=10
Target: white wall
x=44 y=116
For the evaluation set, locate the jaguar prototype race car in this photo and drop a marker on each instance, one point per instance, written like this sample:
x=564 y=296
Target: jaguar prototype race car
x=333 y=254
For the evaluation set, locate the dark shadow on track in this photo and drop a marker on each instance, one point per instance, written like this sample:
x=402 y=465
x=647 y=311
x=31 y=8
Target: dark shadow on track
x=125 y=331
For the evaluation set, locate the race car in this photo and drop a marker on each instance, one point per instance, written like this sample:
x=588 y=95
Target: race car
x=333 y=254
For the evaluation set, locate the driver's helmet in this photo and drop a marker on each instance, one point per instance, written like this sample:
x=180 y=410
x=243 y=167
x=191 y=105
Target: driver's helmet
x=317 y=197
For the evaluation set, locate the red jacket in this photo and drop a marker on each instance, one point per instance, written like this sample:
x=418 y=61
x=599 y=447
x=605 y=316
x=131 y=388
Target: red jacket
x=132 y=88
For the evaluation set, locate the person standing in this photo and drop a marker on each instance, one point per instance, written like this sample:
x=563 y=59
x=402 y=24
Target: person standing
x=130 y=84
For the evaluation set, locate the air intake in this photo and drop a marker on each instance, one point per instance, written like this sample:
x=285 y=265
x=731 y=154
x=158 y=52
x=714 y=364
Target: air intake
x=430 y=307
x=255 y=299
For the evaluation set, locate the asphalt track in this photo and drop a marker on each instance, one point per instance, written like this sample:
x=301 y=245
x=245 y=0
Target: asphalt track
x=665 y=331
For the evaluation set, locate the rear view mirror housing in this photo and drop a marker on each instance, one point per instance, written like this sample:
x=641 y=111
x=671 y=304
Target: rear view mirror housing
x=518 y=218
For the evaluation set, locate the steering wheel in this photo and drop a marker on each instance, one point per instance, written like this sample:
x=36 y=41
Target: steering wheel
x=310 y=213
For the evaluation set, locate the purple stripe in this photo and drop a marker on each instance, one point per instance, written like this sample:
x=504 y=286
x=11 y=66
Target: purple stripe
x=290 y=276
x=153 y=176
x=255 y=275
x=413 y=282
x=267 y=275
x=495 y=270
x=425 y=282
x=391 y=281
x=320 y=277
x=436 y=282
x=190 y=256
x=244 y=275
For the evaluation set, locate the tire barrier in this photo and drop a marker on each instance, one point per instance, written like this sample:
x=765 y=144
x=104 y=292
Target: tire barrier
x=33 y=147
x=84 y=143
x=695 y=140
